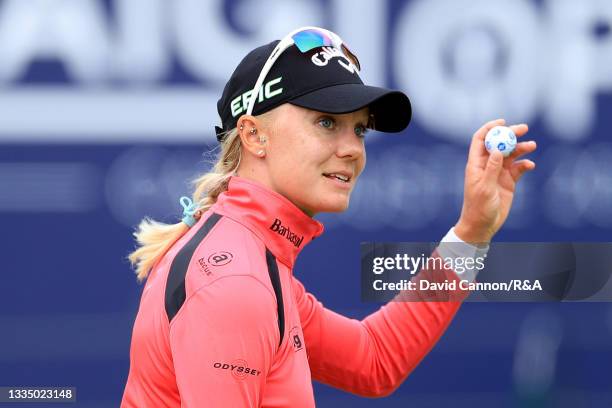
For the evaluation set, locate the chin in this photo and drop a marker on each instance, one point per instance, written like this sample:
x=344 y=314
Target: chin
x=334 y=206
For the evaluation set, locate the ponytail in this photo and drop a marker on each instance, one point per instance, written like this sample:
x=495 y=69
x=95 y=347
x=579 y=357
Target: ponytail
x=155 y=238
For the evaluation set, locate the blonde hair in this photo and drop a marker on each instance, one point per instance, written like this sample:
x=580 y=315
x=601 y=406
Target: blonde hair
x=154 y=238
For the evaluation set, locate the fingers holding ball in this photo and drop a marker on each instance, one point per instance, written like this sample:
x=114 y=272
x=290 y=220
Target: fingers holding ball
x=500 y=138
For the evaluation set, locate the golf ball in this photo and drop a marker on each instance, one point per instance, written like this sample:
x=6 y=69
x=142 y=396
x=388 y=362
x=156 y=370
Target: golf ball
x=501 y=138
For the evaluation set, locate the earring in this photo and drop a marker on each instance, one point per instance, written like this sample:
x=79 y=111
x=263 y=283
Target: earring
x=261 y=153
x=262 y=139
x=253 y=131
x=241 y=127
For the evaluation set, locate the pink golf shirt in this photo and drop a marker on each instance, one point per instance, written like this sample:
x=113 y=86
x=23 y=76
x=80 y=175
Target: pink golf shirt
x=224 y=323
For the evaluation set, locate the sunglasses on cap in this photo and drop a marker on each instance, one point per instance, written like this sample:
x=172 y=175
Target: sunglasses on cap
x=305 y=39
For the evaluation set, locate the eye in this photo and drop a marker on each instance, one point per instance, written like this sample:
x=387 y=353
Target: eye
x=327 y=122
x=361 y=130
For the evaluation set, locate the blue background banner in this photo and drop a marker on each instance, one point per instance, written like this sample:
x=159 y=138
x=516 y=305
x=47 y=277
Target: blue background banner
x=107 y=109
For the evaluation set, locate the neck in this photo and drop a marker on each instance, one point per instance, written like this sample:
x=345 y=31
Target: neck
x=262 y=178
x=281 y=226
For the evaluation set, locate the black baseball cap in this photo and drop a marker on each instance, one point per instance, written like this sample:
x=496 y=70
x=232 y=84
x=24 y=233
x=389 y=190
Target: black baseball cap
x=320 y=79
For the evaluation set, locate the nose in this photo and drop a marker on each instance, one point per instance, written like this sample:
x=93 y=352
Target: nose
x=350 y=145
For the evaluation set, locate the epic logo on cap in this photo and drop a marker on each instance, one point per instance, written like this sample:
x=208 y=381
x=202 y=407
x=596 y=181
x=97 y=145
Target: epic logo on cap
x=241 y=102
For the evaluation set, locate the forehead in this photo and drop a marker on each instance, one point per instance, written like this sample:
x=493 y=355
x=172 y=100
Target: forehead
x=358 y=115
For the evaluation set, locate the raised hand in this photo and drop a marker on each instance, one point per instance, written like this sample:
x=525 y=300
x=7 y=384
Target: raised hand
x=490 y=182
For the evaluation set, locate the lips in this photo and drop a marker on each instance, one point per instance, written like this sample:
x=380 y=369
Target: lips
x=341 y=176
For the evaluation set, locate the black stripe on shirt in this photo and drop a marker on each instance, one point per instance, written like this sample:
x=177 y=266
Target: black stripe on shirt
x=175 y=285
x=276 y=284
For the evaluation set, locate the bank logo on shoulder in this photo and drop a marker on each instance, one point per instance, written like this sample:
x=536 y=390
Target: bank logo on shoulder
x=220 y=258
x=204 y=267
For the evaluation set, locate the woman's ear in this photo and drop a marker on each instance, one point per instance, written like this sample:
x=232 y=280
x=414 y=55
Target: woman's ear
x=252 y=135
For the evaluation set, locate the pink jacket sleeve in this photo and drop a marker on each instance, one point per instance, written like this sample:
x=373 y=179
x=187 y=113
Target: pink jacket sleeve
x=372 y=357
x=223 y=341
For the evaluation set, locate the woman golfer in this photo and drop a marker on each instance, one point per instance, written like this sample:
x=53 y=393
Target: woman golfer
x=222 y=320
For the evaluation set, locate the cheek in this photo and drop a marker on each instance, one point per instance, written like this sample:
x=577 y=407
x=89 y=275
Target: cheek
x=361 y=164
x=292 y=168
x=305 y=167
x=309 y=156
x=299 y=159
x=364 y=159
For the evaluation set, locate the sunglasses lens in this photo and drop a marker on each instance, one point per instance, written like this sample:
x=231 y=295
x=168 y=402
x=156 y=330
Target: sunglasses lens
x=310 y=39
x=307 y=40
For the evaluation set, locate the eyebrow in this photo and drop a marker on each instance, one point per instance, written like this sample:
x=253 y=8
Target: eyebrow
x=360 y=120
x=366 y=118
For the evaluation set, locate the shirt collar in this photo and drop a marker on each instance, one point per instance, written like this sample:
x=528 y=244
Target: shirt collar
x=283 y=227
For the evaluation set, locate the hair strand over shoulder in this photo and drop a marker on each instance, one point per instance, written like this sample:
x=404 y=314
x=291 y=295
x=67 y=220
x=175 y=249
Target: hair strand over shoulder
x=155 y=238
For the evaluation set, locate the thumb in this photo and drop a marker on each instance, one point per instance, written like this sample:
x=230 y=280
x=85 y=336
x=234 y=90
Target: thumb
x=494 y=166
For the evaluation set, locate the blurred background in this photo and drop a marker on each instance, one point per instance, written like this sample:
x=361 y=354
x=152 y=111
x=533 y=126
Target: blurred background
x=107 y=111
